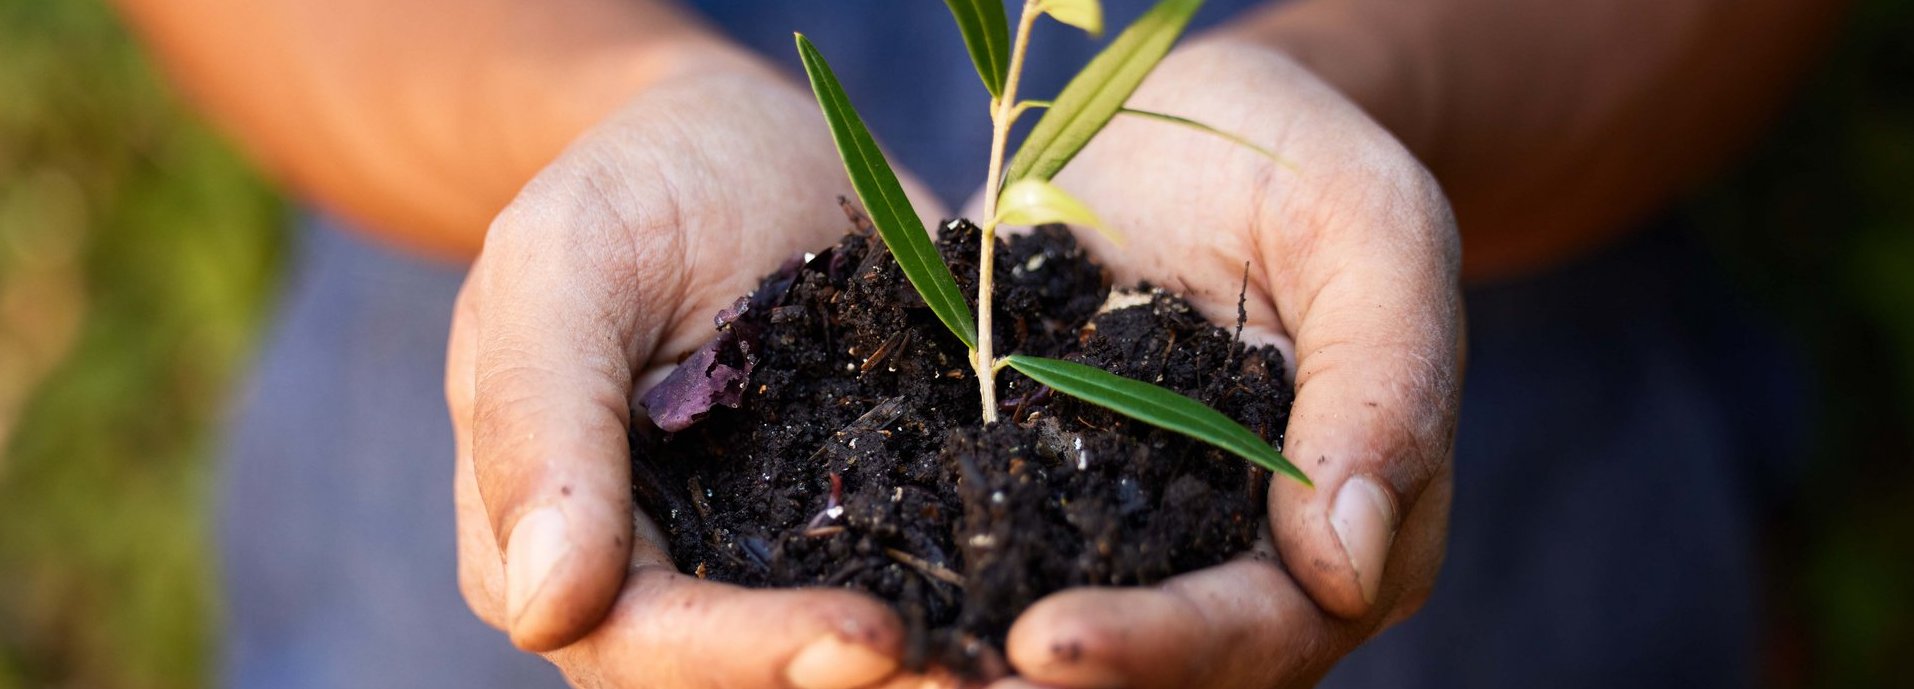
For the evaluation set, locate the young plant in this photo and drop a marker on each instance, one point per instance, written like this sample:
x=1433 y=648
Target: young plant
x=1023 y=195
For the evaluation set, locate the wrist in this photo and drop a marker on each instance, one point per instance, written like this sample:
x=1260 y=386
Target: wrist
x=537 y=108
x=577 y=92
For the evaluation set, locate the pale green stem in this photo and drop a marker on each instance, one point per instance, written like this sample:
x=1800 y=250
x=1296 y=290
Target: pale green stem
x=1003 y=113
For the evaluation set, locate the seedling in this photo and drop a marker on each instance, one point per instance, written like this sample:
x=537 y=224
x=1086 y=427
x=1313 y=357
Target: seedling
x=1023 y=195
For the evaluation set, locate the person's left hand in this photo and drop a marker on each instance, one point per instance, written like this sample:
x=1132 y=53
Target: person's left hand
x=1353 y=259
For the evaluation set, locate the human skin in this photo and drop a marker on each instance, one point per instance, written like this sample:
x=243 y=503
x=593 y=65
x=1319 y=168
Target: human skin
x=608 y=264
x=656 y=219
x=1351 y=261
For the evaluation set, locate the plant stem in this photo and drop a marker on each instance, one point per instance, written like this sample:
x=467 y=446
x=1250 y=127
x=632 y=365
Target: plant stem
x=1002 y=114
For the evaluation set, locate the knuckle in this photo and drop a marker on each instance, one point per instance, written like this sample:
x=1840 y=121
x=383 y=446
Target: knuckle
x=1403 y=421
x=511 y=422
x=506 y=406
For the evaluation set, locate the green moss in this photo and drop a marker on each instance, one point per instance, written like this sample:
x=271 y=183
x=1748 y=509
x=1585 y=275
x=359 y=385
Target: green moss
x=160 y=246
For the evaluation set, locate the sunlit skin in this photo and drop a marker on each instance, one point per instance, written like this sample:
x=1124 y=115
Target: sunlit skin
x=692 y=168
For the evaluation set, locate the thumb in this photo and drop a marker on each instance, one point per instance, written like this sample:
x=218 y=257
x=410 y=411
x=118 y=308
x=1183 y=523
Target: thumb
x=560 y=320
x=1377 y=388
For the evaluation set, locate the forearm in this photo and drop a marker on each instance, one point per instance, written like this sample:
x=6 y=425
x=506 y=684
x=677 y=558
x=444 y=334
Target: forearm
x=1553 y=126
x=419 y=118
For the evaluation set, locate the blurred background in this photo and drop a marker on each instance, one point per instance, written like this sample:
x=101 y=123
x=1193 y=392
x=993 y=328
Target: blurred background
x=139 y=255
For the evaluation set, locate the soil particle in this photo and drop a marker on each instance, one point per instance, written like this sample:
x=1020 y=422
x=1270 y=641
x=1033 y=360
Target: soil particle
x=855 y=456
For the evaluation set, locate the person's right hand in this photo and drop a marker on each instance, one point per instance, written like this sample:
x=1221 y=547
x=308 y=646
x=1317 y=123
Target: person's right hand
x=608 y=267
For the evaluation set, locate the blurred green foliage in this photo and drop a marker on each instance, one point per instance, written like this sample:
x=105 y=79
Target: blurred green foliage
x=169 y=246
x=138 y=255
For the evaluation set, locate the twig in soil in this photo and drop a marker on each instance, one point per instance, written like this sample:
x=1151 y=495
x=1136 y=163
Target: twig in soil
x=823 y=531
x=698 y=498
x=930 y=569
x=858 y=219
x=832 y=509
x=874 y=256
x=891 y=344
x=874 y=420
x=1167 y=348
x=1094 y=426
x=845 y=574
x=1242 y=317
x=1017 y=404
x=1242 y=303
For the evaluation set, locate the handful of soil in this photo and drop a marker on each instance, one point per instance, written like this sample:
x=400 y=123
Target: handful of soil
x=831 y=436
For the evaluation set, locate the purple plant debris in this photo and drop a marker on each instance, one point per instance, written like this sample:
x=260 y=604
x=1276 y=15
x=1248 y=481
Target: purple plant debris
x=716 y=373
x=699 y=383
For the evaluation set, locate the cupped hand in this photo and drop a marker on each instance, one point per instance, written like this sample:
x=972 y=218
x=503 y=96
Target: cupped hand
x=608 y=267
x=1352 y=265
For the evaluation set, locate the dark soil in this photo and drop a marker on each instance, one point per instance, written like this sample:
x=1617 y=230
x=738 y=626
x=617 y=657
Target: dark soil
x=856 y=456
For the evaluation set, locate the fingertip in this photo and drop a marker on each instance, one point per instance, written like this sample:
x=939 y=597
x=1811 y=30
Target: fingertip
x=1076 y=639
x=854 y=615
x=1336 y=541
x=918 y=681
x=856 y=641
x=1015 y=683
x=700 y=633
x=837 y=661
x=1364 y=519
x=556 y=589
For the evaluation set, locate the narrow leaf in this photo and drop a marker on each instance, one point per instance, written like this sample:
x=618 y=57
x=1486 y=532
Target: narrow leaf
x=1091 y=99
x=987 y=36
x=1036 y=202
x=884 y=200
x=1231 y=137
x=1155 y=406
x=1199 y=126
x=1083 y=14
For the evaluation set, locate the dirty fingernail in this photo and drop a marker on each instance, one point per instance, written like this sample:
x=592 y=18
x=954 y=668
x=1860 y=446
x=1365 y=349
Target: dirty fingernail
x=1365 y=522
x=539 y=543
x=831 y=662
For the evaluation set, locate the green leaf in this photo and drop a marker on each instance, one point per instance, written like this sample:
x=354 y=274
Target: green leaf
x=1231 y=137
x=884 y=200
x=1083 y=14
x=1036 y=202
x=1199 y=126
x=987 y=36
x=1155 y=406
x=1091 y=99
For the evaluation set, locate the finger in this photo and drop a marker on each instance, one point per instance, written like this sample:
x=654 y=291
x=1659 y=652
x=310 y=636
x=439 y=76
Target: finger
x=584 y=294
x=481 y=574
x=673 y=630
x=1242 y=624
x=1016 y=683
x=1376 y=312
x=934 y=680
